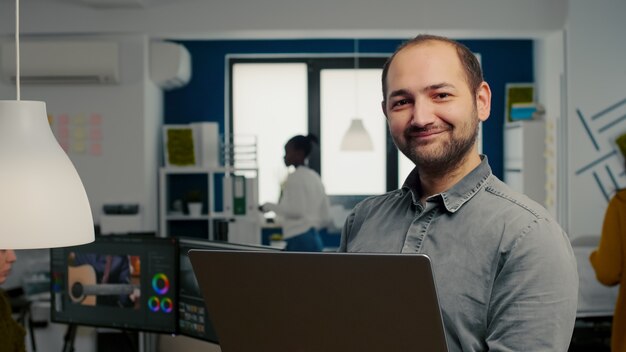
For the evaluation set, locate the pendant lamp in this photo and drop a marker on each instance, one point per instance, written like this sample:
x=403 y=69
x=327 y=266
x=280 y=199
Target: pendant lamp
x=356 y=138
x=43 y=202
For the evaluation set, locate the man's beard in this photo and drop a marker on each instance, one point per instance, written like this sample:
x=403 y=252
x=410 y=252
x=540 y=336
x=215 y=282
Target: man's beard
x=448 y=155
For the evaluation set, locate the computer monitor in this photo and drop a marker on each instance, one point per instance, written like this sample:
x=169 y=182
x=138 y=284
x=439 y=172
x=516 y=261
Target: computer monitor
x=193 y=318
x=127 y=282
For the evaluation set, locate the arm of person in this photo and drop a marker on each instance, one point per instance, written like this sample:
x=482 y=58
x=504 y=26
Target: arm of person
x=607 y=259
x=534 y=297
x=122 y=265
x=347 y=227
x=124 y=276
x=11 y=333
x=292 y=202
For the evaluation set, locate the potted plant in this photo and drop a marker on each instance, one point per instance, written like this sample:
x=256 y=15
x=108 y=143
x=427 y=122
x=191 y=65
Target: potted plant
x=194 y=199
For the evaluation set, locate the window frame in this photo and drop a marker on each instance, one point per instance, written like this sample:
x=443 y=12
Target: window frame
x=315 y=65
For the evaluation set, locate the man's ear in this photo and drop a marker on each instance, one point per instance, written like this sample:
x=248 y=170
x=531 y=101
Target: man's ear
x=483 y=101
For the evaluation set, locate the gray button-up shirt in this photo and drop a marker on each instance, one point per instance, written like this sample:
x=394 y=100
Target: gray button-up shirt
x=504 y=269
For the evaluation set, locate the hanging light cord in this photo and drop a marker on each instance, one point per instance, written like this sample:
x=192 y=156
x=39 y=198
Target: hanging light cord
x=17 y=47
x=356 y=77
x=356 y=54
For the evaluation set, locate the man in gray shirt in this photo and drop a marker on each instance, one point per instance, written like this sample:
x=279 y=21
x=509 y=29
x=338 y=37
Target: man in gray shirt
x=505 y=271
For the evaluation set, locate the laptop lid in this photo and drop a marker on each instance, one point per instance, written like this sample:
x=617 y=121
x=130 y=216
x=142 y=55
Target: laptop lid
x=322 y=302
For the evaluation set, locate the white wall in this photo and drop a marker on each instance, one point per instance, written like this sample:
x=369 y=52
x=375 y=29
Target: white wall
x=152 y=143
x=250 y=18
x=596 y=80
x=126 y=169
x=549 y=64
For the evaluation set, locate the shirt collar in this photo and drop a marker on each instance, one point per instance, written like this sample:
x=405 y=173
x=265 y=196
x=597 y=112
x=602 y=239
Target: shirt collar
x=456 y=196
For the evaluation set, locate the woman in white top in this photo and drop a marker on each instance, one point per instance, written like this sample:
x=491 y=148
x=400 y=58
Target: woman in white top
x=303 y=208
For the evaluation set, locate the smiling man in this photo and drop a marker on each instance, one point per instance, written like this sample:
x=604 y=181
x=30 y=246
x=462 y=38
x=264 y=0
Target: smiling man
x=505 y=271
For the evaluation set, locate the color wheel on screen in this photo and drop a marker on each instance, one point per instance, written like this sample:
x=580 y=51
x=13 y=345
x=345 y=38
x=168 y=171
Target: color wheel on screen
x=160 y=283
x=154 y=303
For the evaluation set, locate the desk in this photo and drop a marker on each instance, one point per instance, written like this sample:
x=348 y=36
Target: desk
x=596 y=302
x=592 y=334
x=594 y=299
x=271 y=235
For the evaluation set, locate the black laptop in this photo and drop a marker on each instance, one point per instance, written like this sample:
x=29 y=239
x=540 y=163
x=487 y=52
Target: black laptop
x=320 y=302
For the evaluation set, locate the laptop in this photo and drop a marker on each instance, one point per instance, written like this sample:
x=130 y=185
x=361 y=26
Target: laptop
x=320 y=302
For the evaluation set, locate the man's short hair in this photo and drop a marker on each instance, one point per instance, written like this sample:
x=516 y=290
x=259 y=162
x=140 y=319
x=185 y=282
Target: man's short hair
x=473 y=72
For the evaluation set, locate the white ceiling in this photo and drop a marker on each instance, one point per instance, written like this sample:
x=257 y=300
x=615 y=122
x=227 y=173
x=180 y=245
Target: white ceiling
x=197 y=19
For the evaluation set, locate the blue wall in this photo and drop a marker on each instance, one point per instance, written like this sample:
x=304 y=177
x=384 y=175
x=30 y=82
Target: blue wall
x=202 y=99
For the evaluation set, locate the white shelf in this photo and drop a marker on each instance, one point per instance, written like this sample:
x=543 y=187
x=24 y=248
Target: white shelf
x=203 y=170
x=186 y=217
x=524 y=158
x=168 y=220
x=183 y=217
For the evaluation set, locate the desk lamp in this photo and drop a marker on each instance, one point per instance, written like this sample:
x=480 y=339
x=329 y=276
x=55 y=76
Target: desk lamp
x=43 y=202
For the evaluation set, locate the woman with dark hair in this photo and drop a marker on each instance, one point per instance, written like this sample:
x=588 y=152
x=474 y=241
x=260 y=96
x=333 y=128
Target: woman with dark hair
x=11 y=333
x=303 y=208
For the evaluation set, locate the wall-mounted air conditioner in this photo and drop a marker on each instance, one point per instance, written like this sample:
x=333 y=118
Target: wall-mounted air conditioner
x=170 y=64
x=62 y=62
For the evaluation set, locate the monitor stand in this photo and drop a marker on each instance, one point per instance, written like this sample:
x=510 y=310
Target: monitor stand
x=70 y=336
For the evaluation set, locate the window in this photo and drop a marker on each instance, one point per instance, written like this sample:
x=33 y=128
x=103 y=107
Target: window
x=277 y=98
x=346 y=94
x=269 y=101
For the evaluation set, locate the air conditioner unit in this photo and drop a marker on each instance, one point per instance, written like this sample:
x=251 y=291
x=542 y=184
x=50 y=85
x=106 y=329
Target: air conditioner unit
x=170 y=64
x=62 y=62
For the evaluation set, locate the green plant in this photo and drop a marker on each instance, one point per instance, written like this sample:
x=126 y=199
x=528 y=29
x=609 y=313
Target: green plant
x=194 y=196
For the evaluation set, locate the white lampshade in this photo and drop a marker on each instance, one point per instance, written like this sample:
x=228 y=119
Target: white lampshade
x=43 y=202
x=357 y=138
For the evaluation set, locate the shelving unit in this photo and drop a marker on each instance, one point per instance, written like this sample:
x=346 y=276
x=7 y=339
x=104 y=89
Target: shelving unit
x=228 y=201
x=524 y=158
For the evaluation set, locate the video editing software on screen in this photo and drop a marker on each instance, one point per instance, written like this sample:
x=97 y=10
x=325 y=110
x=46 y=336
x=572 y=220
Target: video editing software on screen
x=126 y=282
